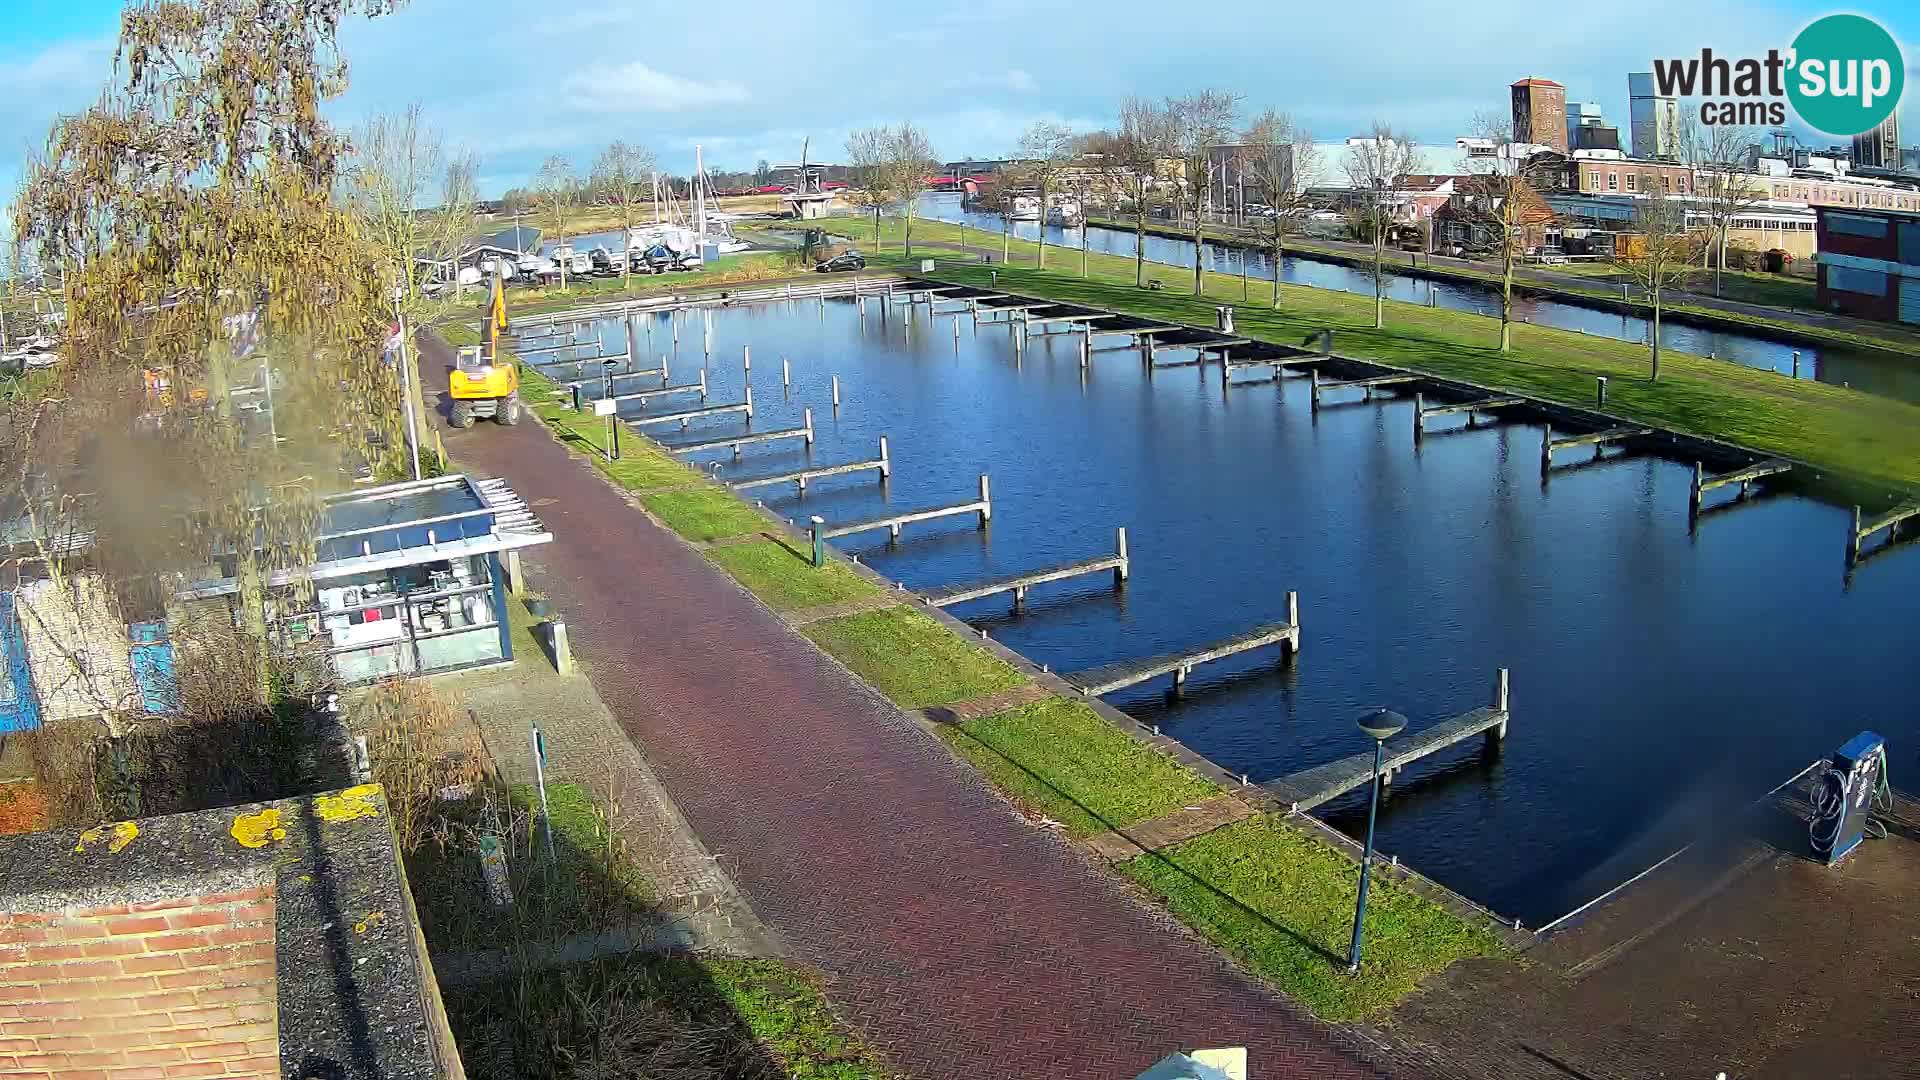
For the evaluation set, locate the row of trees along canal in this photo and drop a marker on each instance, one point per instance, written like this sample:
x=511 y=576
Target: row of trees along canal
x=211 y=233
x=1162 y=157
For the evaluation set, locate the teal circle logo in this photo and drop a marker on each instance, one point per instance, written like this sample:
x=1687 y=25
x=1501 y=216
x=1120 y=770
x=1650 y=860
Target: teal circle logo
x=1847 y=74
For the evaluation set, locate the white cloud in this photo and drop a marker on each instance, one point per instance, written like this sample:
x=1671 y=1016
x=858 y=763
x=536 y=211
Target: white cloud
x=635 y=87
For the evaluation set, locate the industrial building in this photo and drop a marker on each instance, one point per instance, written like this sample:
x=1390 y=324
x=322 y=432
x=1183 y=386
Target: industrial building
x=1869 y=263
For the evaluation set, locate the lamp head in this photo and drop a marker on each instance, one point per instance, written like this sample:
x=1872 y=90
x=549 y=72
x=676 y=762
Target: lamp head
x=1381 y=724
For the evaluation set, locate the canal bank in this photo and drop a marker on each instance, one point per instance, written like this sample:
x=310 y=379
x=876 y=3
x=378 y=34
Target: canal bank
x=1782 y=326
x=1875 y=371
x=1083 y=767
x=1866 y=446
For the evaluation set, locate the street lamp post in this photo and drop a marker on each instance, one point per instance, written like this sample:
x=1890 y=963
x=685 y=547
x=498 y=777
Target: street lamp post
x=1379 y=725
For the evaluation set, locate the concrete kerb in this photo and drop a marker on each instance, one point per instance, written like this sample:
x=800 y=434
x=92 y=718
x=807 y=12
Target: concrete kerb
x=1233 y=783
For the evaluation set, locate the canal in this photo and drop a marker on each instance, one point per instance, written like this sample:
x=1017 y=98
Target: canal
x=1658 y=678
x=1872 y=372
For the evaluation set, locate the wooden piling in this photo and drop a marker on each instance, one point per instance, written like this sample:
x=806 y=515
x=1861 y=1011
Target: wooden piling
x=886 y=461
x=1121 y=572
x=1546 y=449
x=1419 y=413
x=819 y=542
x=836 y=391
x=749 y=402
x=746 y=359
x=986 y=502
x=786 y=374
x=1502 y=694
x=1293 y=620
x=1693 y=504
x=1853 y=538
x=807 y=418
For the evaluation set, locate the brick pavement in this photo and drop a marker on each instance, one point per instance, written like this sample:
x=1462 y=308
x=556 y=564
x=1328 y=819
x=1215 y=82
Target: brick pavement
x=958 y=939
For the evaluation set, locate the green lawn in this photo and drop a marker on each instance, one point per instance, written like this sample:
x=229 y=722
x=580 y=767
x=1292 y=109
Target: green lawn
x=704 y=513
x=1281 y=902
x=787 y=579
x=912 y=659
x=1870 y=442
x=1059 y=758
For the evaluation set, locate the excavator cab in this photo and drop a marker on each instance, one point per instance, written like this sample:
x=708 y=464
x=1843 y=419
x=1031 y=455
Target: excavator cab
x=482 y=390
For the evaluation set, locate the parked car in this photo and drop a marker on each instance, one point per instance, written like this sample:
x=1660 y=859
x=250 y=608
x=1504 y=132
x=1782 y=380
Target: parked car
x=846 y=260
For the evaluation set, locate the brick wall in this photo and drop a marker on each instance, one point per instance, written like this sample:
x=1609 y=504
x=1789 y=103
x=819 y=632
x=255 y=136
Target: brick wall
x=163 y=990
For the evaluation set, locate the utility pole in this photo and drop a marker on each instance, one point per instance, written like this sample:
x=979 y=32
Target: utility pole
x=406 y=385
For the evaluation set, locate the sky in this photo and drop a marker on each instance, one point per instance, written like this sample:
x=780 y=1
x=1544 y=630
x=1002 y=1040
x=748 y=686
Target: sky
x=516 y=81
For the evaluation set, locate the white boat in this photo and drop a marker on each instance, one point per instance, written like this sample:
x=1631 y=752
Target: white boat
x=1025 y=208
x=1064 y=212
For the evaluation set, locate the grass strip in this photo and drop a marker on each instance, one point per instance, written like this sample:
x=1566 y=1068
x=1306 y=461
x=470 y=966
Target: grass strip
x=706 y=513
x=1059 y=758
x=911 y=659
x=788 y=580
x=1867 y=441
x=1281 y=902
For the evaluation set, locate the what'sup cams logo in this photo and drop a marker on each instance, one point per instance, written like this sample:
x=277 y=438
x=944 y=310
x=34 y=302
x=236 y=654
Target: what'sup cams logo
x=1843 y=76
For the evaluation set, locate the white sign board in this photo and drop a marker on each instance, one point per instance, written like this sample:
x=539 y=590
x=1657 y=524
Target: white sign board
x=605 y=407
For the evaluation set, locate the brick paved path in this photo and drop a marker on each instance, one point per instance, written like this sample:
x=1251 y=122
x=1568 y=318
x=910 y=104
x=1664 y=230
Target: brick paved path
x=960 y=940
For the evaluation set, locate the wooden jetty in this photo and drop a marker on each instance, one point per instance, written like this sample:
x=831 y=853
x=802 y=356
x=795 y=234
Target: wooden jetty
x=605 y=358
x=1702 y=483
x=1595 y=439
x=1309 y=788
x=643 y=373
x=1422 y=411
x=1106 y=679
x=1018 y=584
x=982 y=506
x=540 y=349
x=1890 y=521
x=1368 y=384
x=882 y=464
x=644 y=396
x=687 y=416
x=1277 y=362
x=737 y=441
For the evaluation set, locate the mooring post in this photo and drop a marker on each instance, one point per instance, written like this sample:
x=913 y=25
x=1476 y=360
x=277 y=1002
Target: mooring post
x=746 y=359
x=1293 y=618
x=836 y=391
x=1853 y=539
x=1796 y=363
x=1019 y=597
x=807 y=417
x=703 y=382
x=819 y=544
x=628 y=322
x=986 y=502
x=1699 y=473
x=1502 y=689
x=1180 y=678
x=1546 y=449
x=886 y=463
x=786 y=374
x=576 y=397
x=1314 y=374
x=1419 y=411
x=749 y=404
x=666 y=377
x=1120 y=544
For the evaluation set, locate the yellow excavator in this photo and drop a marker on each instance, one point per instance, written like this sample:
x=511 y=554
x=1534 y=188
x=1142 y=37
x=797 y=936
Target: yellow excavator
x=480 y=385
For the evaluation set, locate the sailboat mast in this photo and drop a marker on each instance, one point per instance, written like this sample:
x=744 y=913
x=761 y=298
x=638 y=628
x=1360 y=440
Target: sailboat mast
x=699 y=198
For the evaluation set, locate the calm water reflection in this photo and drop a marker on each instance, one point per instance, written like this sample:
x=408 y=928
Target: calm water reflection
x=1658 y=678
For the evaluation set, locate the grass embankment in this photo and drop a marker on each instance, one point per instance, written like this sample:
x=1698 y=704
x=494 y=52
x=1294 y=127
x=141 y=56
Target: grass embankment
x=1264 y=891
x=740 y=268
x=1744 y=286
x=1867 y=442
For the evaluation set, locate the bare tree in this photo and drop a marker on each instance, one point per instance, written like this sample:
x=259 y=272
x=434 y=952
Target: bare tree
x=559 y=193
x=1378 y=165
x=1724 y=186
x=622 y=169
x=910 y=160
x=1503 y=198
x=1280 y=158
x=1046 y=149
x=1195 y=126
x=867 y=157
x=1127 y=160
x=1657 y=256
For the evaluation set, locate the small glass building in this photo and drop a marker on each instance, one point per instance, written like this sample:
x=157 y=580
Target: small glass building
x=410 y=578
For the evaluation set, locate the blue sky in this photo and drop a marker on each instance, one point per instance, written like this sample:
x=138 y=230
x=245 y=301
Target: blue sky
x=516 y=80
